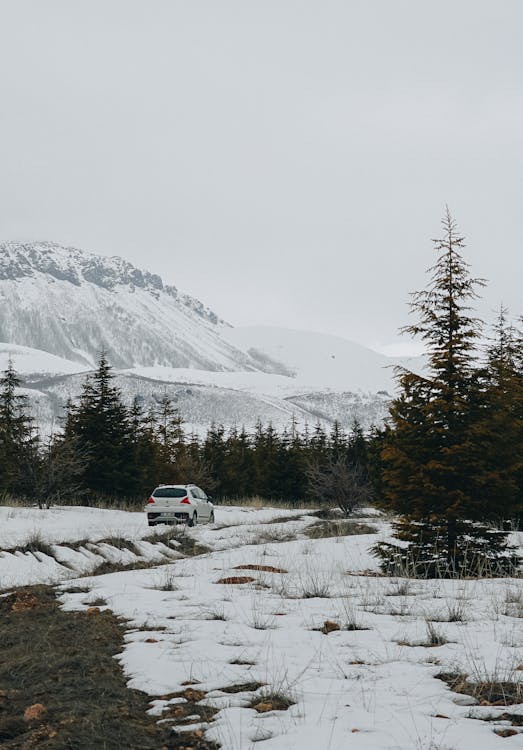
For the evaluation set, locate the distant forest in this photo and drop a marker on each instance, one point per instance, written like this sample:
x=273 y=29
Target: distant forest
x=109 y=452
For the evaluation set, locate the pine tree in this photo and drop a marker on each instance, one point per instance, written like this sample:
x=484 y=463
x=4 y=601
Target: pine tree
x=213 y=455
x=101 y=425
x=267 y=461
x=428 y=473
x=169 y=429
x=18 y=438
x=498 y=434
x=145 y=449
x=238 y=467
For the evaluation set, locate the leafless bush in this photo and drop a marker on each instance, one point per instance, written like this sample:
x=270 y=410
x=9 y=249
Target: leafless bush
x=339 y=483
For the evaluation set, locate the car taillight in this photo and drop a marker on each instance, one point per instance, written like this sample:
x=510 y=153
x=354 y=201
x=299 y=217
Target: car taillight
x=151 y=500
x=185 y=501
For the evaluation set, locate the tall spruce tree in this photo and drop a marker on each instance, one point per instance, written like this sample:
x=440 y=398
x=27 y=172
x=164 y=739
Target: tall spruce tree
x=429 y=477
x=498 y=435
x=100 y=423
x=18 y=438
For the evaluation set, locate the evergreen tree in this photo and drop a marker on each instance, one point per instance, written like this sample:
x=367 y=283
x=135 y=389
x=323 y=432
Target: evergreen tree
x=337 y=441
x=498 y=434
x=145 y=448
x=18 y=438
x=213 y=455
x=428 y=473
x=100 y=424
x=239 y=472
x=169 y=429
x=267 y=461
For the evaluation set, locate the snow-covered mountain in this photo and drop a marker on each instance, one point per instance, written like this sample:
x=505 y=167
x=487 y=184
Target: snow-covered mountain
x=74 y=304
x=60 y=306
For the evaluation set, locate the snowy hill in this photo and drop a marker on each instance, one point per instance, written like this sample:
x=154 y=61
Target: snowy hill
x=60 y=306
x=28 y=361
x=316 y=358
x=73 y=304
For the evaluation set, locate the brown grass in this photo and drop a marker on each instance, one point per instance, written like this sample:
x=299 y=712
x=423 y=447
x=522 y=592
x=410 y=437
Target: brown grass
x=487 y=692
x=262 y=568
x=65 y=662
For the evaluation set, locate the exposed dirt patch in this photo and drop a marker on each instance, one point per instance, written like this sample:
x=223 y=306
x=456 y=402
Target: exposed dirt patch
x=263 y=568
x=243 y=662
x=58 y=668
x=286 y=519
x=118 y=542
x=330 y=627
x=186 y=544
x=236 y=579
x=328 y=529
x=505 y=732
x=272 y=702
x=245 y=687
x=24 y=600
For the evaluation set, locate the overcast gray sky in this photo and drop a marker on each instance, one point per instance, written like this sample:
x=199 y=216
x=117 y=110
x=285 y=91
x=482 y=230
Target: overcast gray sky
x=285 y=161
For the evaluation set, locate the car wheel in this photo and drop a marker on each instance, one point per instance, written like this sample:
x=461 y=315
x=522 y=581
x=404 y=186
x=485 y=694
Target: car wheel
x=211 y=518
x=193 y=521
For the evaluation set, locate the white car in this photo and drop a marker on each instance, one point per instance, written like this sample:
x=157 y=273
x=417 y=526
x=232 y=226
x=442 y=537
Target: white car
x=179 y=503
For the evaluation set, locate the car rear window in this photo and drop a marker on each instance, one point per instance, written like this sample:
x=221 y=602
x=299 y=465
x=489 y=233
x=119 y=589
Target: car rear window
x=170 y=492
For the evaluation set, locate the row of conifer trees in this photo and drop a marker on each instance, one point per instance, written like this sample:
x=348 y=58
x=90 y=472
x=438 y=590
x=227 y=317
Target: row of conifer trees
x=110 y=451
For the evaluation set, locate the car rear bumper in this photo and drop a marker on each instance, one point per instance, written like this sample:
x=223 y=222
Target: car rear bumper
x=167 y=517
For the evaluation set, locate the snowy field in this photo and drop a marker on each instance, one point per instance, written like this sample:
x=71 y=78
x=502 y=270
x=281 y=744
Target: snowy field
x=244 y=646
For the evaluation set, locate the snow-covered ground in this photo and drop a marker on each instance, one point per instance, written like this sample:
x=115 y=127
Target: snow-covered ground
x=369 y=686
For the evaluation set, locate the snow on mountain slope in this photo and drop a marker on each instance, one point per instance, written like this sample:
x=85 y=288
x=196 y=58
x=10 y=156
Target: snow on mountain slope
x=199 y=405
x=27 y=361
x=316 y=358
x=60 y=306
x=74 y=304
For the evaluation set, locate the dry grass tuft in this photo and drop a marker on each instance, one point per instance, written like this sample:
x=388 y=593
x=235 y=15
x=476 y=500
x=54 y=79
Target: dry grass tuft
x=487 y=692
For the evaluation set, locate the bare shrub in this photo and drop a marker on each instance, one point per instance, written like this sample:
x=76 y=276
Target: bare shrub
x=339 y=483
x=435 y=637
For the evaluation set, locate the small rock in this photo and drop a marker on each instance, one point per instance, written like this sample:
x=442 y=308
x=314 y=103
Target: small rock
x=35 y=712
x=262 y=568
x=151 y=640
x=329 y=627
